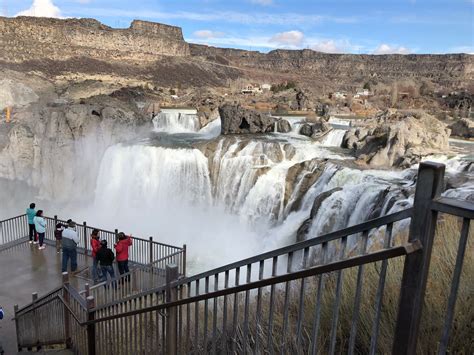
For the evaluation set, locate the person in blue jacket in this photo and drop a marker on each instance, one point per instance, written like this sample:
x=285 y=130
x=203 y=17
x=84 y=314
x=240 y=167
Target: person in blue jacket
x=31 y=213
x=40 y=226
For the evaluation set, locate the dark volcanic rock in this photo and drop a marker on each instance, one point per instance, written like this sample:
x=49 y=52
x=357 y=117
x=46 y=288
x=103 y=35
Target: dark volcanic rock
x=306 y=130
x=238 y=120
x=463 y=128
x=283 y=126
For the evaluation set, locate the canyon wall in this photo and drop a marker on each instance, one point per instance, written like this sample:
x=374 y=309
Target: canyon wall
x=28 y=38
x=445 y=69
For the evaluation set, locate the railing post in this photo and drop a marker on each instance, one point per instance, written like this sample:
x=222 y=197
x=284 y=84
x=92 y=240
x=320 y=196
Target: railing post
x=429 y=185
x=84 y=224
x=151 y=250
x=67 y=318
x=34 y=298
x=91 y=327
x=184 y=260
x=172 y=312
x=15 y=310
x=55 y=224
x=87 y=289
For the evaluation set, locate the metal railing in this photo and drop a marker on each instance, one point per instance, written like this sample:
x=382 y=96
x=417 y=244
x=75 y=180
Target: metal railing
x=329 y=294
x=143 y=251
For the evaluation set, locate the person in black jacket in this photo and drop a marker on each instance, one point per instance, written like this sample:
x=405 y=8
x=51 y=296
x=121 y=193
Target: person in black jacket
x=105 y=258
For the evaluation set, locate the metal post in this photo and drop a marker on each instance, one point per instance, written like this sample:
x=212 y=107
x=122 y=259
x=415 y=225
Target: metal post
x=87 y=289
x=85 y=237
x=184 y=260
x=15 y=310
x=34 y=298
x=172 y=274
x=151 y=250
x=55 y=224
x=415 y=273
x=91 y=327
x=67 y=318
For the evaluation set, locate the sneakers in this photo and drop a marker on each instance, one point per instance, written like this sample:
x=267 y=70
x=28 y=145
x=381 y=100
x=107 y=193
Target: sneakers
x=41 y=248
x=31 y=242
x=35 y=242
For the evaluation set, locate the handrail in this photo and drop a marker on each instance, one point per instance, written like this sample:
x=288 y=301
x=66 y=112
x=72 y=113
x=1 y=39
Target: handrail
x=9 y=219
x=359 y=228
x=165 y=257
x=383 y=254
x=460 y=208
x=23 y=309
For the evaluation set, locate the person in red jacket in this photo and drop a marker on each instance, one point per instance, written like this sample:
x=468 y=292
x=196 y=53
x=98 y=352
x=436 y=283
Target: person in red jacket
x=121 y=250
x=95 y=246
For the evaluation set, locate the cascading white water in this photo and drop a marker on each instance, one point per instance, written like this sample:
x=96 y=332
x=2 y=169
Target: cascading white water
x=176 y=122
x=142 y=175
x=334 y=138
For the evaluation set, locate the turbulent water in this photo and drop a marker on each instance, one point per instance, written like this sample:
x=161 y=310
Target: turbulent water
x=231 y=197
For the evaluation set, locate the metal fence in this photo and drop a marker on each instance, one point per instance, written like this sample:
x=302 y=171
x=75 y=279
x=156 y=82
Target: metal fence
x=329 y=294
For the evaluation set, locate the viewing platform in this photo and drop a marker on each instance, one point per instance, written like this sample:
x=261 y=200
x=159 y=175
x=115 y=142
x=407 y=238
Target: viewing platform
x=28 y=273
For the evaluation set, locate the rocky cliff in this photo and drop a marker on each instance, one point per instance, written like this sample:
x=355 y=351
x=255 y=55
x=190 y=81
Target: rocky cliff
x=451 y=70
x=28 y=38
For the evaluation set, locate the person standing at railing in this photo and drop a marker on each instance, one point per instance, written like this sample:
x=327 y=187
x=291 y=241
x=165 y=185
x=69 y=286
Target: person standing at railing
x=121 y=249
x=70 y=241
x=40 y=227
x=95 y=246
x=58 y=235
x=105 y=257
x=31 y=213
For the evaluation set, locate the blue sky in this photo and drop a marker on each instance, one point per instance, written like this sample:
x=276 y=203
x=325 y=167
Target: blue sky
x=342 y=26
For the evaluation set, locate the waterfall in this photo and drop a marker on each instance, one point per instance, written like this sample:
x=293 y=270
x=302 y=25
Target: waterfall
x=334 y=138
x=176 y=122
x=142 y=175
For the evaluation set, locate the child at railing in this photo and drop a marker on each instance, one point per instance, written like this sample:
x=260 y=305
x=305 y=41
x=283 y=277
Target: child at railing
x=31 y=213
x=121 y=248
x=105 y=257
x=40 y=226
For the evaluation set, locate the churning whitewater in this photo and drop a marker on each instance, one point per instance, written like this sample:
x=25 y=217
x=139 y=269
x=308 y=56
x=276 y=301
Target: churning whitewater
x=248 y=194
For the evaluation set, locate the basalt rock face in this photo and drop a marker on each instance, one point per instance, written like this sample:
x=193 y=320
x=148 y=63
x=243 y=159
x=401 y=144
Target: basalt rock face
x=463 y=128
x=238 y=120
x=57 y=148
x=29 y=38
x=397 y=139
x=450 y=69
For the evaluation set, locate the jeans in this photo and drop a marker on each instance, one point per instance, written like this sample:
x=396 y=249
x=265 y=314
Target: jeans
x=32 y=231
x=59 y=244
x=41 y=239
x=96 y=271
x=108 y=269
x=123 y=268
x=69 y=253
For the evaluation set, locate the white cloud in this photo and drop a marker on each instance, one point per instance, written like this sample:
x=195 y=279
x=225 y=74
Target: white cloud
x=290 y=38
x=41 y=8
x=262 y=2
x=206 y=34
x=391 y=49
x=327 y=46
x=462 y=49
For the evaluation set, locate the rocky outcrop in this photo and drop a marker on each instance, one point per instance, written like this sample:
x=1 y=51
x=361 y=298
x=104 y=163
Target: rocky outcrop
x=463 y=128
x=58 y=148
x=318 y=201
x=238 y=120
x=397 y=139
x=315 y=130
x=29 y=38
x=283 y=126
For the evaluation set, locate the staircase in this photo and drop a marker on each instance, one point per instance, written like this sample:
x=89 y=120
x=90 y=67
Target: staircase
x=315 y=296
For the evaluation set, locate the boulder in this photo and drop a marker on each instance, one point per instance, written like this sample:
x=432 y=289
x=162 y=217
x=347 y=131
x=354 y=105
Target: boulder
x=283 y=126
x=463 y=128
x=237 y=120
x=300 y=100
x=398 y=139
x=306 y=130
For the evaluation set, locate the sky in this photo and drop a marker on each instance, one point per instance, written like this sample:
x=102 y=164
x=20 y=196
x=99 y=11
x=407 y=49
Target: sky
x=333 y=26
